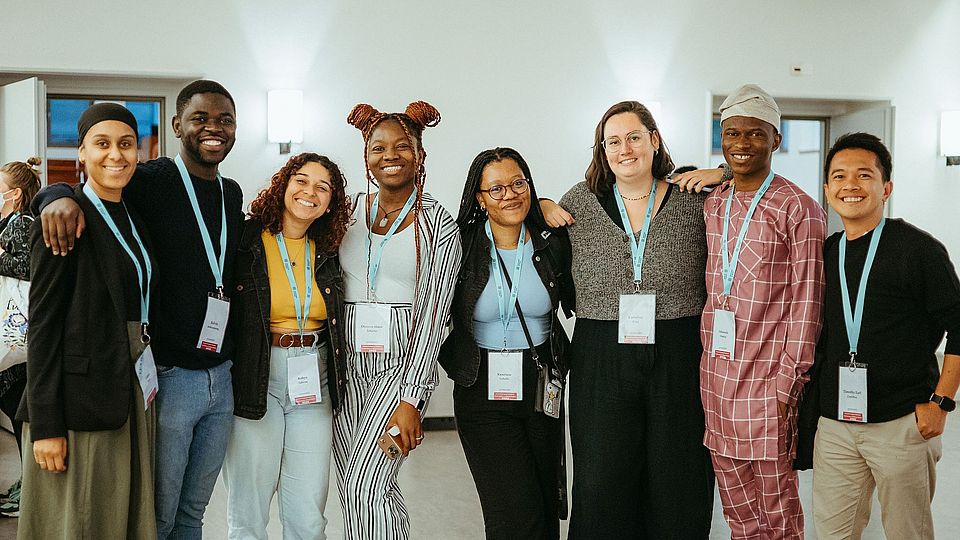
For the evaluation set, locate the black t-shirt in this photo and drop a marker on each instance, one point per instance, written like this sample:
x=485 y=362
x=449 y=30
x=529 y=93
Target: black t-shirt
x=131 y=290
x=183 y=278
x=912 y=298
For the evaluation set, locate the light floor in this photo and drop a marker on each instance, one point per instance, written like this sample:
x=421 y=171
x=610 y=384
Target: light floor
x=443 y=503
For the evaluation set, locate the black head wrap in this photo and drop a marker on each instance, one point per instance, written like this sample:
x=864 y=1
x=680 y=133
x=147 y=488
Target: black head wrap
x=100 y=112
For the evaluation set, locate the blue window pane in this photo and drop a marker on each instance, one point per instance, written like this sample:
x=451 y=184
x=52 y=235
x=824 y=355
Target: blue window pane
x=716 y=137
x=62 y=119
x=147 y=114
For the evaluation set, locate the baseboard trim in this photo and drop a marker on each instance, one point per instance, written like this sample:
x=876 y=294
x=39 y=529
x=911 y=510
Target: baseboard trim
x=439 y=423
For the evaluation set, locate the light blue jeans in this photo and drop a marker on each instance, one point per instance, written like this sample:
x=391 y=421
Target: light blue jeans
x=286 y=452
x=194 y=419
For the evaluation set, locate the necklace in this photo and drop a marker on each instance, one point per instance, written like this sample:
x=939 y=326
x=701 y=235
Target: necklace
x=640 y=198
x=386 y=216
x=293 y=258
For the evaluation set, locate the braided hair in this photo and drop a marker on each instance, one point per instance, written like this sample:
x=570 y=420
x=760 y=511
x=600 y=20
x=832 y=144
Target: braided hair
x=417 y=116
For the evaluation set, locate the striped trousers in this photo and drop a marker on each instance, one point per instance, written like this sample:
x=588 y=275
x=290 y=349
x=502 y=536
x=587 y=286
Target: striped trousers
x=373 y=507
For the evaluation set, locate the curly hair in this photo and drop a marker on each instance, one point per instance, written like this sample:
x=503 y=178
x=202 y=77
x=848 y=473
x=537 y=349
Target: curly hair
x=327 y=230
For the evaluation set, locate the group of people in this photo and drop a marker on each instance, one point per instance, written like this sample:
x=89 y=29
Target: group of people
x=171 y=336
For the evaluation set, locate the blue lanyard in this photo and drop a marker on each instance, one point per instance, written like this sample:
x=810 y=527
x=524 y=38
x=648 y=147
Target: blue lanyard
x=506 y=306
x=216 y=266
x=637 y=246
x=302 y=311
x=854 y=319
x=144 y=291
x=374 y=264
x=730 y=262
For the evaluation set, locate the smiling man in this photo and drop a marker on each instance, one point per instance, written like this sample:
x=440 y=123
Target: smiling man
x=760 y=323
x=891 y=293
x=194 y=218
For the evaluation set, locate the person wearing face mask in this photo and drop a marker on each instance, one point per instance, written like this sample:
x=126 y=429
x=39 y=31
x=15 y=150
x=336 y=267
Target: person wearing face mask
x=19 y=182
x=502 y=356
x=400 y=258
x=89 y=410
x=288 y=374
x=194 y=215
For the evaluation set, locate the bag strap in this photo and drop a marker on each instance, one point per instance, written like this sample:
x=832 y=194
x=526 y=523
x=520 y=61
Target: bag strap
x=523 y=323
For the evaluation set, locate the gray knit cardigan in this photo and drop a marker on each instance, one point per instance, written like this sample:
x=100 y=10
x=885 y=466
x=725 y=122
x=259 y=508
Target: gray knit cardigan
x=674 y=262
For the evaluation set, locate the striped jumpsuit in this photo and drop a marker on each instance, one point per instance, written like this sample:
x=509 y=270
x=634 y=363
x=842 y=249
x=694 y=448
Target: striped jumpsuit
x=373 y=507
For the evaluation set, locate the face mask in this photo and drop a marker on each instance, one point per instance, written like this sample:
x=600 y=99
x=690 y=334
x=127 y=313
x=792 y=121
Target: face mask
x=4 y=195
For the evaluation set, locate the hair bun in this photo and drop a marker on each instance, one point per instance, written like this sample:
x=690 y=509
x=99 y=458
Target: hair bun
x=362 y=116
x=423 y=113
x=34 y=161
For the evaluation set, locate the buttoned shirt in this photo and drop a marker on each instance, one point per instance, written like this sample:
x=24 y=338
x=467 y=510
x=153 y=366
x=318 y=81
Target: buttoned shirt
x=776 y=299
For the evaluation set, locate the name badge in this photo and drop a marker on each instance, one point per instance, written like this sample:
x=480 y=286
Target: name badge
x=214 y=324
x=303 y=379
x=372 y=328
x=724 y=335
x=505 y=375
x=638 y=318
x=146 y=370
x=852 y=398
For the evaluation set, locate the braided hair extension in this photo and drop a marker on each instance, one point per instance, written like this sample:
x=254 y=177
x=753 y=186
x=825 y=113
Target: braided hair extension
x=417 y=116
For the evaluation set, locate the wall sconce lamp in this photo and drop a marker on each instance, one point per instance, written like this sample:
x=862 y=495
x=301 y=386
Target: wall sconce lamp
x=950 y=136
x=285 y=118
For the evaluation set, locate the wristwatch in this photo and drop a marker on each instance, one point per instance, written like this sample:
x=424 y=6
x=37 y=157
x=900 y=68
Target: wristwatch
x=944 y=402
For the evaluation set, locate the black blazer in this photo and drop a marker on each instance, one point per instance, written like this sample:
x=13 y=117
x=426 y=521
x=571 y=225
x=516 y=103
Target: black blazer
x=79 y=373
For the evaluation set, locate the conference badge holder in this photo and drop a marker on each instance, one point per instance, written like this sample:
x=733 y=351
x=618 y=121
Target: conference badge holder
x=372 y=328
x=214 y=322
x=549 y=381
x=852 y=395
x=638 y=317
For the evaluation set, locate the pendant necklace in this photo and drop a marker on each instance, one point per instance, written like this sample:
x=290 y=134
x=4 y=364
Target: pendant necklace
x=293 y=259
x=386 y=215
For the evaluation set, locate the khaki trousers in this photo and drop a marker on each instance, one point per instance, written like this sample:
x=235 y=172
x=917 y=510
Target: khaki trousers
x=850 y=460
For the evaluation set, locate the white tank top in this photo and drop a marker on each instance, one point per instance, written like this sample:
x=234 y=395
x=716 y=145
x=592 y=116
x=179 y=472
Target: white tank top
x=396 y=278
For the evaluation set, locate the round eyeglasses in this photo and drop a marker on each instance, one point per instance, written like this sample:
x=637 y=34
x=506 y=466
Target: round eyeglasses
x=498 y=191
x=614 y=144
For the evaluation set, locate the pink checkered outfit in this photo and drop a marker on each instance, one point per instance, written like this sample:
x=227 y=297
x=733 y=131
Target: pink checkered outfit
x=776 y=300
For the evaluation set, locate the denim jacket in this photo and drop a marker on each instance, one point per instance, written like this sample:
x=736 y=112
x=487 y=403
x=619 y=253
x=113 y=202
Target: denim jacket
x=250 y=322
x=460 y=355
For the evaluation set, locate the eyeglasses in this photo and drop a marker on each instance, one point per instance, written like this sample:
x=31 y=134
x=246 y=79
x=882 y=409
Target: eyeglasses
x=498 y=192
x=634 y=139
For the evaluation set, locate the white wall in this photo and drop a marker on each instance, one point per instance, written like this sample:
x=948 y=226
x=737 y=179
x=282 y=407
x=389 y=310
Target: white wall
x=534 y=75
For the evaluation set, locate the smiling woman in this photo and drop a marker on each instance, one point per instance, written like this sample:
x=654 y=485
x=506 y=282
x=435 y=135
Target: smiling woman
x=288 y=371
x=91 y=378
x=636 y=420
x=395 y=319
x=503 y=361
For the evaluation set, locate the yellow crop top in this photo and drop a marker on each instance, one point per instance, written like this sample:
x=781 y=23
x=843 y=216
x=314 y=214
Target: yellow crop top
x=282 y=313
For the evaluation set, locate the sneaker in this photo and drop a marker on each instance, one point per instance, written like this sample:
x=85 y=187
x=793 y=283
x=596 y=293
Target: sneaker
x=10 y=509
x=11 y=492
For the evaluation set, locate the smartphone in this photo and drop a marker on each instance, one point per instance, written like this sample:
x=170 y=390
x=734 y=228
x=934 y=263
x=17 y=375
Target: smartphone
x=388 y=444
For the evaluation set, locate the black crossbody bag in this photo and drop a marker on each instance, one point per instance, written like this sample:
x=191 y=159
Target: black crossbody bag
x=549 y=381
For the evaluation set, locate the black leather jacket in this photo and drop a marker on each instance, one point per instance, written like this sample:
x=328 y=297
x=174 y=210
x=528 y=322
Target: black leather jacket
x=250 y=323
x=460 y=355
